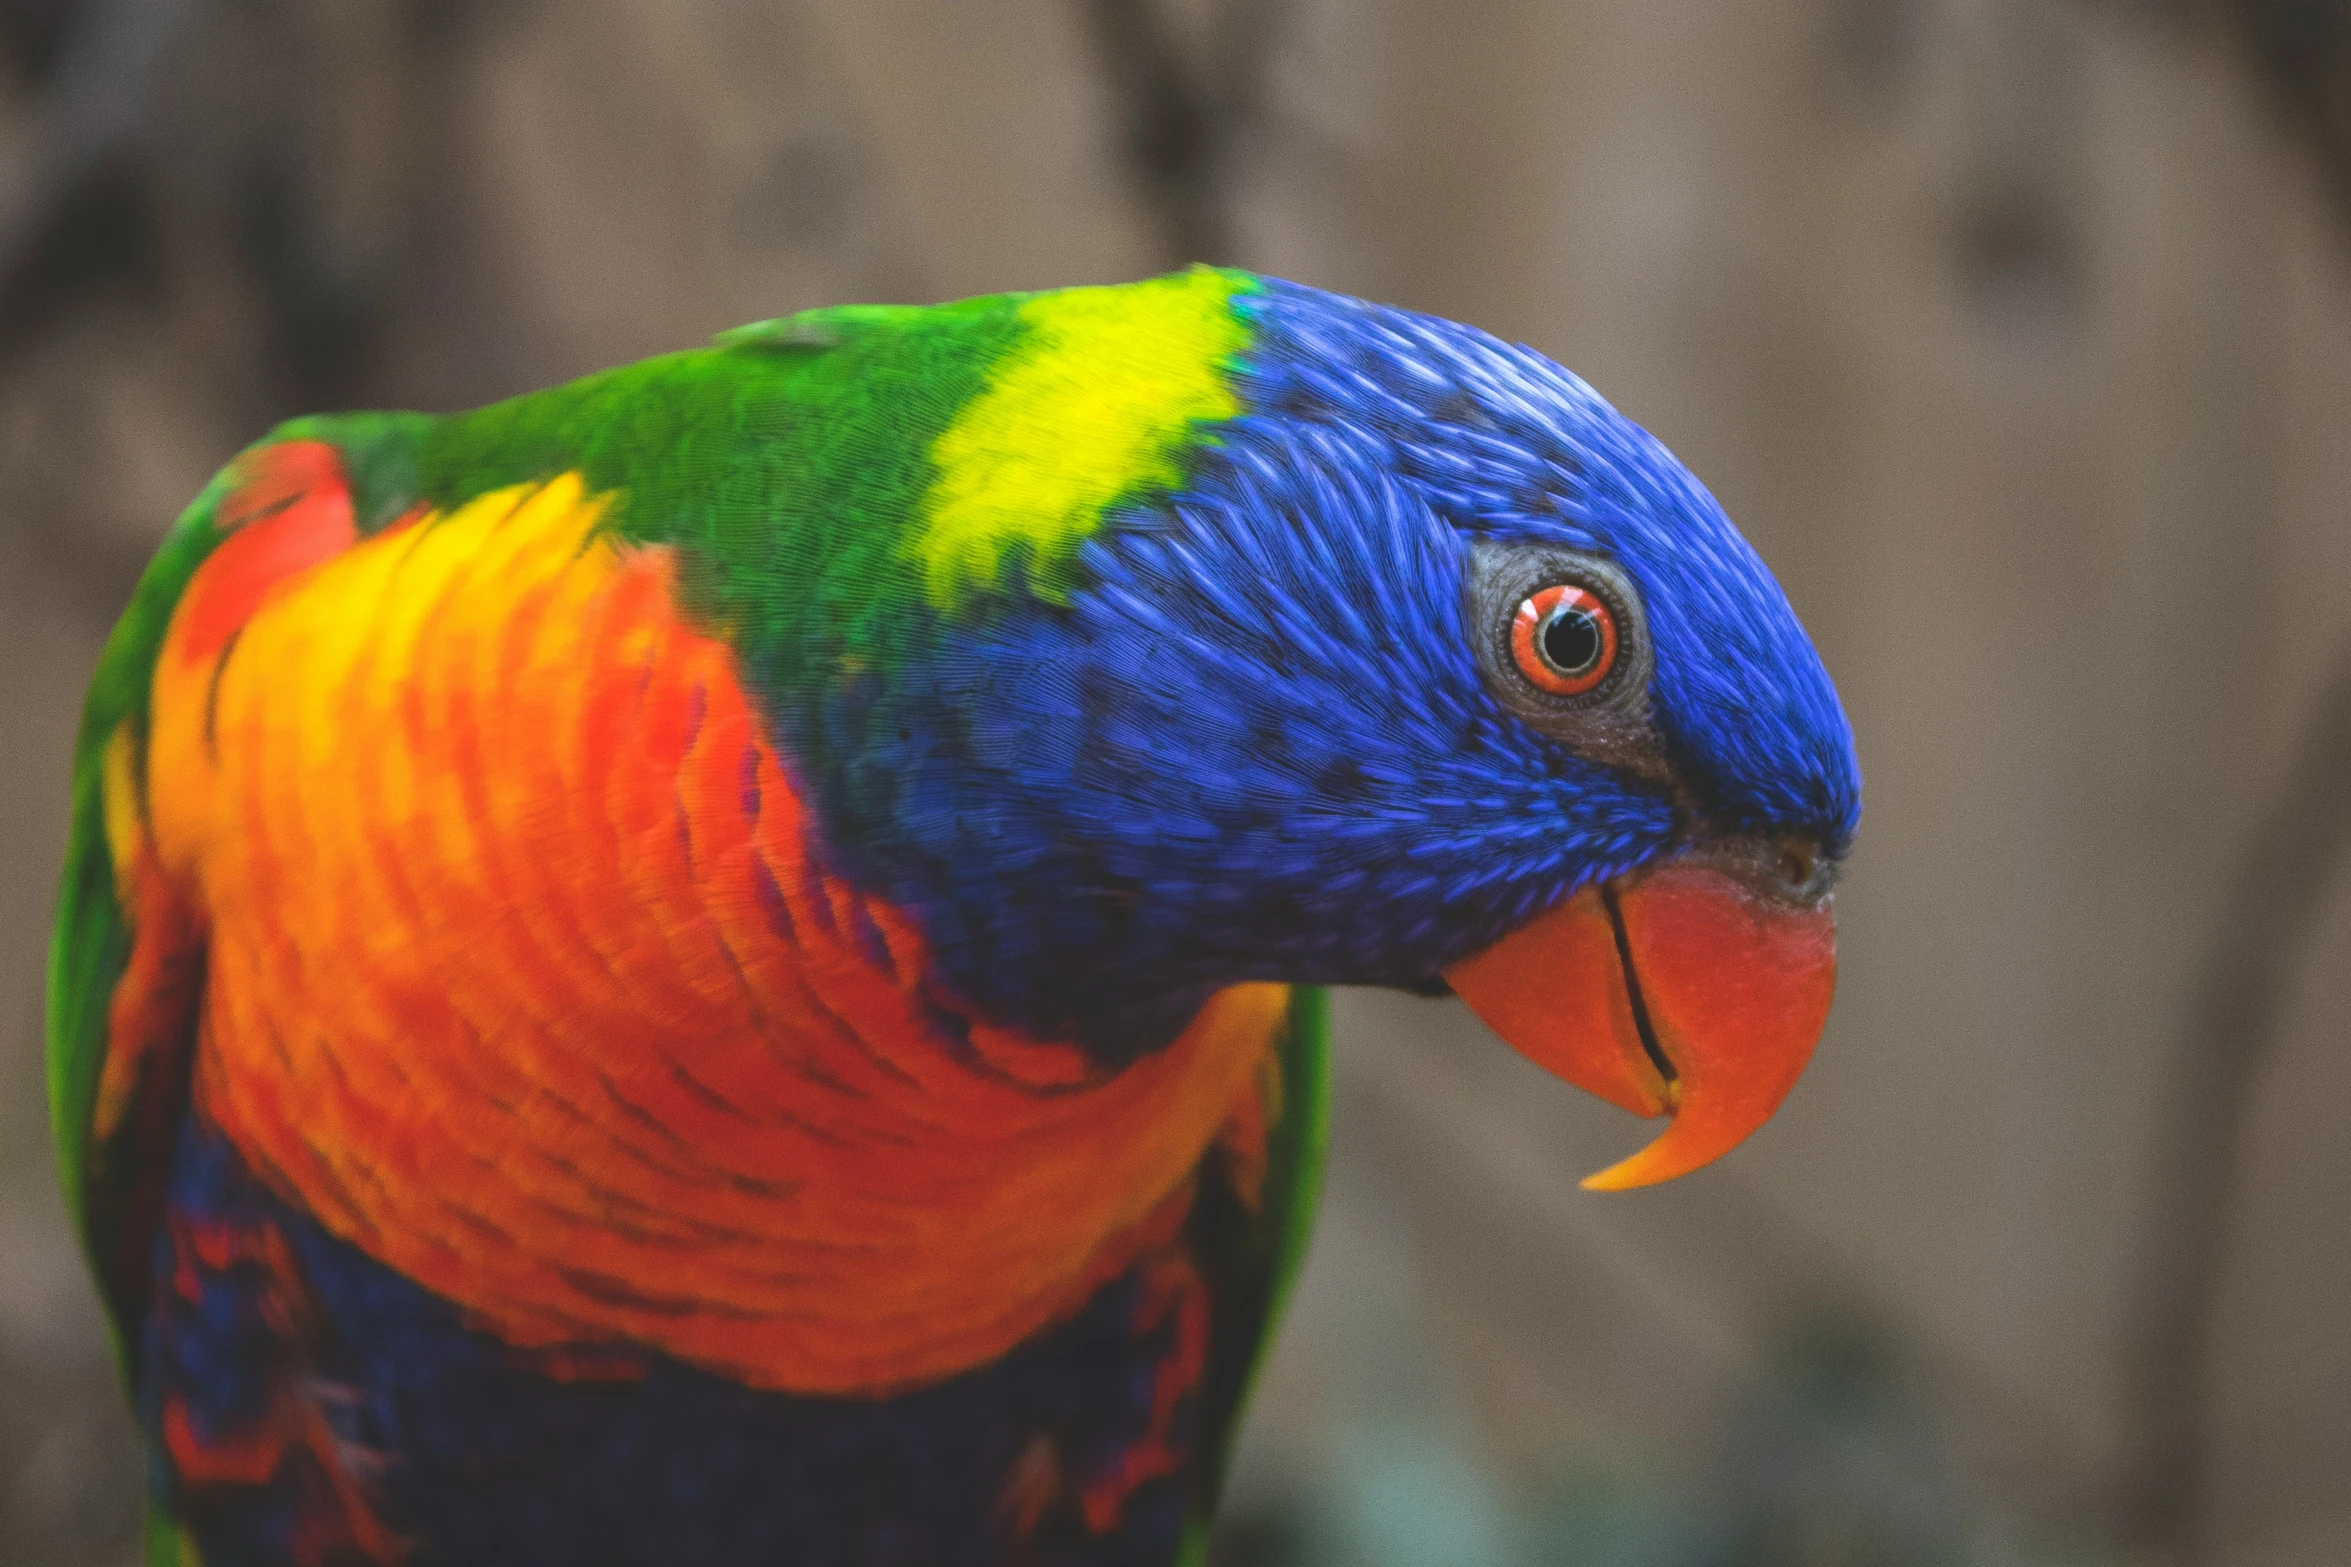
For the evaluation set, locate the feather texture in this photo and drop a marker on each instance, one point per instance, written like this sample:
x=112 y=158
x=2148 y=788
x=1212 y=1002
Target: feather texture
x=732 y=945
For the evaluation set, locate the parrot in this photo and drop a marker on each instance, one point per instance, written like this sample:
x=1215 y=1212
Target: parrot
x=729 y=962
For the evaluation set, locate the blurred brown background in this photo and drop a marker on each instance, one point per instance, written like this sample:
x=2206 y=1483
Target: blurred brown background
x=2016 y=333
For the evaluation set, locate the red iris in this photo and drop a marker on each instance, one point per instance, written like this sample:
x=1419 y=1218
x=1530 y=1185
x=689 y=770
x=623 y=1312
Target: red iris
x=1564 y=639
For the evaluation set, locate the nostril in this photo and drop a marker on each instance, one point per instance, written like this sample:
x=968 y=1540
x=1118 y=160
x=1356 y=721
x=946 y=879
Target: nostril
x=1797 y=864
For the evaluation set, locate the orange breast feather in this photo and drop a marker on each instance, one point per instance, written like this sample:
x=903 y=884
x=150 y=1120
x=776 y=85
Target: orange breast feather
x=521 y=980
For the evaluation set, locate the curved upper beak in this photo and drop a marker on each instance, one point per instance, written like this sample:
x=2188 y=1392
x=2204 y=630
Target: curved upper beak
x=1685 y=992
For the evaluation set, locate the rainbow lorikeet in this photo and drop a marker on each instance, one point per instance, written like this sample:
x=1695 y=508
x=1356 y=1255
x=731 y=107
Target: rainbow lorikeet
x=720 y=964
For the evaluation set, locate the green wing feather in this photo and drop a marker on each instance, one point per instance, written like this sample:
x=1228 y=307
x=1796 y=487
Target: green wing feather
x=92 y=941
x=1295 y=1156
x=113 y=1183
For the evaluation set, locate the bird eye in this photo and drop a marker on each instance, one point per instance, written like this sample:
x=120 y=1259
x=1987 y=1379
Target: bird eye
x=1564 y=639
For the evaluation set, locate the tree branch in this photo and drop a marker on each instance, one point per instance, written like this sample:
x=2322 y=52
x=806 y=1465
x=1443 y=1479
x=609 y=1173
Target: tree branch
x=2302 y=49
x=2228 y=1034
x=1182 y=121
x=96 y=101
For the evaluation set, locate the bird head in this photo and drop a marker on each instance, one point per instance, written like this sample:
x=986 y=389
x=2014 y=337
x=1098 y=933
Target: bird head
x=1258 y=633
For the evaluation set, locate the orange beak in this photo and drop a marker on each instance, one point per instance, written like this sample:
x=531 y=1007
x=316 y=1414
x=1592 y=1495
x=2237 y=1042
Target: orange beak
x=1683 y=992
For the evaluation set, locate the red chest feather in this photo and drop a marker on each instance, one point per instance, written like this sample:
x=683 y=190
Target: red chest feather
x=521 y=978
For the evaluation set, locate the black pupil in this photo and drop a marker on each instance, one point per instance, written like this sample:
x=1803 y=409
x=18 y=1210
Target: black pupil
x=1571 y=641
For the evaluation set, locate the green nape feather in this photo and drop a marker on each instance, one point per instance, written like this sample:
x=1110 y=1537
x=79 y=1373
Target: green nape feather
x=837 y=465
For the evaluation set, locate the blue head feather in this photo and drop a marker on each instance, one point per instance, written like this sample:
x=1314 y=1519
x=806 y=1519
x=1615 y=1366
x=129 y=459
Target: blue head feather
x=1258 y=744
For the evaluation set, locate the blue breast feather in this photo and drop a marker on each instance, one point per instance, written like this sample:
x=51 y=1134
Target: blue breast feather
x=466 y=1452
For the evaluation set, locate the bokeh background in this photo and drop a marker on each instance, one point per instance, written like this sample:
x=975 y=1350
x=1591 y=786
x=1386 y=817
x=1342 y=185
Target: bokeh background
x=2016 y=333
